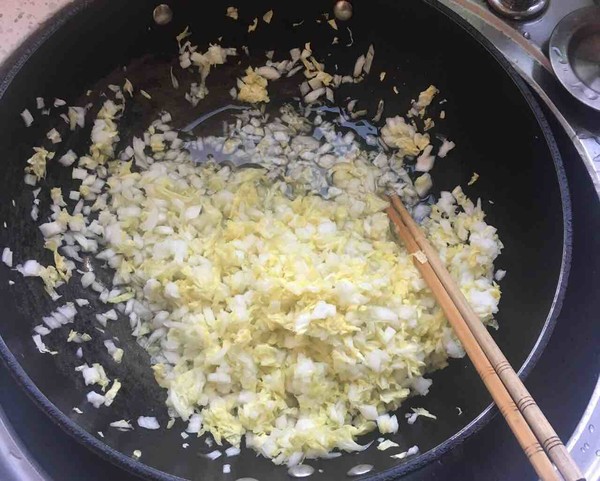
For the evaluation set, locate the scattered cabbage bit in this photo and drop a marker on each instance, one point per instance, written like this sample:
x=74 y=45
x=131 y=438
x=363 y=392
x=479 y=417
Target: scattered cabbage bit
x=190 y=57
x=416 y=412
x=446 y=147
x=36 y=164
x=111 y=394
x=68 y=159
x=113 y=350
x=174 y=80
x=474 y=178
x=252 y=87
x=386 y=444
x=425 y=99
x=194 y=424
x=148 y=422
x=232 y=451
x=404 y=137
x=410 y=452
x=41 y=346
x=423 y=184
x=387 y=423
x=267 y=17
x=54 y=136
x=76 y=117
x=78 y=338
x=27 y=117
x=93 y=375
x=253 y=25
x=121 y=425
x=7 y=256
x=214 y=454
x=63 y=315
x=95 y=399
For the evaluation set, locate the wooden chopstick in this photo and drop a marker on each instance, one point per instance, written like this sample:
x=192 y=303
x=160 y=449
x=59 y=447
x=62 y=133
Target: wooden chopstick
x=500 y=395
x=535 y=417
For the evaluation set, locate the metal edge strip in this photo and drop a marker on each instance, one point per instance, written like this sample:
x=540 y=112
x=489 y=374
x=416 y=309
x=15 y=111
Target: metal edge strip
x=18 y=463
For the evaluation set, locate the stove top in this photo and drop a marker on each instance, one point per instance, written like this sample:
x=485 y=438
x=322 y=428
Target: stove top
x=565 y=380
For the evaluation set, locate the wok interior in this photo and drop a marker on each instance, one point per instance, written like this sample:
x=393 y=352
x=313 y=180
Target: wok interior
x=496 y=133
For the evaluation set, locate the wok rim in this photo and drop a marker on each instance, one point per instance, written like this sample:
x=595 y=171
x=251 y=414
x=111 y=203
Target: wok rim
x=11 y=66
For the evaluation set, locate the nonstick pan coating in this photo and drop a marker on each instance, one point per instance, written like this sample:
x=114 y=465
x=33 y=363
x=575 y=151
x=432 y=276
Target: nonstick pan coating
x=499 y=131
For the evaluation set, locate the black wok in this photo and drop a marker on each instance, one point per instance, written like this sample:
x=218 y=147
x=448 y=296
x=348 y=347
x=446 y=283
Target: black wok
x=499 y=130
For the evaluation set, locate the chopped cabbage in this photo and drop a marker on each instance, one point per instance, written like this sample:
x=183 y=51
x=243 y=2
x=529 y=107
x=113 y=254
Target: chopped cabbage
x=293 y=320
x=253 y=87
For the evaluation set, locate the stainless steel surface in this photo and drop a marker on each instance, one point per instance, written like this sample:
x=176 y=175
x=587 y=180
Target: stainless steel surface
x=528 y=58
x=519 y=9
x=584 y=444
x=17 y=464
x=19 y=18
x=574 y=52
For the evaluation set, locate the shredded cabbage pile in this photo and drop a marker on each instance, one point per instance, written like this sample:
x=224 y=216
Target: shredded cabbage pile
x=299 y=323
x=275 y=302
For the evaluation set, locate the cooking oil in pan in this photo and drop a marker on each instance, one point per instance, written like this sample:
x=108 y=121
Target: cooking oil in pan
x=202 y=151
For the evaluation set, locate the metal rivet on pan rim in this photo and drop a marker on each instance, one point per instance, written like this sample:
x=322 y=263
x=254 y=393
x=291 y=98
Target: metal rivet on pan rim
x=301 y=471
x=162 y=14
x=342 y=9
x=360 y=469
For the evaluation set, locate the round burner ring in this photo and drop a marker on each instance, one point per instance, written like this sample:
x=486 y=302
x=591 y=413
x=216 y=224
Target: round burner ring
x=574 y=52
